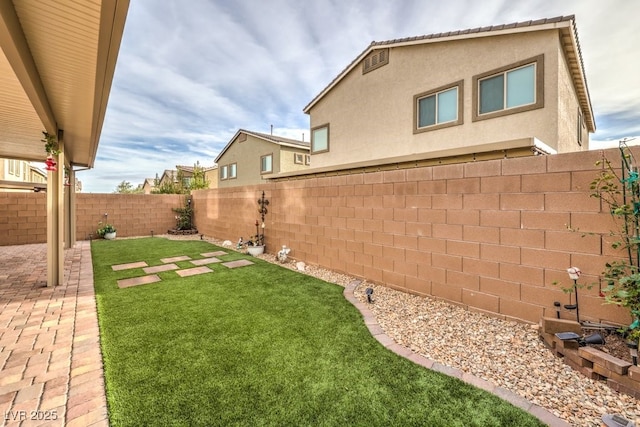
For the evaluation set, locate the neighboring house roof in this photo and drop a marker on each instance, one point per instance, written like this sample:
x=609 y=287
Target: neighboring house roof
x=190 y=168
x=286 y=142
x=569 y=41
x=151 y=182
x=170 y=174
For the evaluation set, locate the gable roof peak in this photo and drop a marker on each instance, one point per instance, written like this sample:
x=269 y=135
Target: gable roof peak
x=565 y=23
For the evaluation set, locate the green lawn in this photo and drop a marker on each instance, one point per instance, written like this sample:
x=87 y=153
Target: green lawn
x=259 y=345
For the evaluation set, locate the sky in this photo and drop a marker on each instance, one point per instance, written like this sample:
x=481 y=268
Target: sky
x=190 y=74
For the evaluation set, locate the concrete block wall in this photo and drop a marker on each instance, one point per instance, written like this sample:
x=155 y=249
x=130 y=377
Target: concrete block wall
x=495 y=236
x=23 y=218
x=130 y=214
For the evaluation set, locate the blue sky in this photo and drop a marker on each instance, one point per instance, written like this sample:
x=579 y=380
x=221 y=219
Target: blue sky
x=190 y=74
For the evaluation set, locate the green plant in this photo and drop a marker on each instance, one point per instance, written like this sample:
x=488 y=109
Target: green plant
x=184 y=219
x=619 y=190
x=104 y=228
x=50 y=144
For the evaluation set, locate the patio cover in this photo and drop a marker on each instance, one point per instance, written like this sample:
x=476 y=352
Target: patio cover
x=57 y=59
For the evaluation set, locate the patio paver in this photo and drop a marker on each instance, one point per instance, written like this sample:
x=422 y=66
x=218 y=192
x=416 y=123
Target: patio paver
x=176 y=259
x=204 y=261
x=160 y=268
x=135 y=281
x=49 y=340
x=214 y=254
x=194 y=271
x=237 y=263
x=128 y=266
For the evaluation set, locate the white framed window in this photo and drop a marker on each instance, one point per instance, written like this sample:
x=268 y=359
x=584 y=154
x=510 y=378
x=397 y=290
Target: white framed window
x=307 y=159
x=233 y=171
x=512 y=89
x=12 y=167
x=266 y=163
x=438 y=108
x=224 y=172
x=320 y=139
x=298 y=158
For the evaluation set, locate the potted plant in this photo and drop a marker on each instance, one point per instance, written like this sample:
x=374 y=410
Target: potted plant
x=106 y=231
x=255 y=244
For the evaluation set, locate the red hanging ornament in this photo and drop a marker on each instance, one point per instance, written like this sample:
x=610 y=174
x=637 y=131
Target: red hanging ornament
x=51 y=164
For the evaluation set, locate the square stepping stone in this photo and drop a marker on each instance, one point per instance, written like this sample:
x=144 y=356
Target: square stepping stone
x=135 y=281
x=159 y=268
x=193 y=271
x=238 y=263
x=205 y=261
x=175 y=259
x=212 y=254
x=129 y=265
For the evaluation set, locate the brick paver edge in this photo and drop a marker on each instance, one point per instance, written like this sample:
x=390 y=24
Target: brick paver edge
x=378 y=333
x=86 y=355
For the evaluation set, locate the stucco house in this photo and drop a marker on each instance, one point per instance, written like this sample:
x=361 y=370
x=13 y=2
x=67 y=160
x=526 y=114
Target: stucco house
x=20 y=175
x=172 y=177
x=504 y=90
x=251 y=157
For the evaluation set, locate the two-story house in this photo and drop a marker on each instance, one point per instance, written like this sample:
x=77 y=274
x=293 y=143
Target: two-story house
x=516 y=89
x=251 y=157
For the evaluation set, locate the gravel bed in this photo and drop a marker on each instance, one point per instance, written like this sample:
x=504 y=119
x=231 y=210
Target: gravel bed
x=506 y=353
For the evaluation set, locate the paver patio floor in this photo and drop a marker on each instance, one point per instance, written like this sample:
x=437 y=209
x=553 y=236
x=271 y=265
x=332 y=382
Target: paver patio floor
x=50 y=360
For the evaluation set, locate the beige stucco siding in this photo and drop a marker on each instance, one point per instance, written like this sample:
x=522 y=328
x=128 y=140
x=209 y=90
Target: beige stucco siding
x=246 y=154
x=287 y=159
x=371 y=115
x=568 y=108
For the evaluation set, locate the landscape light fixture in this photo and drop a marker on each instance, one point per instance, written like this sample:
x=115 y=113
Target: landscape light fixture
x=369 y=293
x=574 y=274
x=557 y=305
x=633 y=349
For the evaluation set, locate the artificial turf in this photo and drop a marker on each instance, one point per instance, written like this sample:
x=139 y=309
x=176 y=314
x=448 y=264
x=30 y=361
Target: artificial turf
x=259 y=345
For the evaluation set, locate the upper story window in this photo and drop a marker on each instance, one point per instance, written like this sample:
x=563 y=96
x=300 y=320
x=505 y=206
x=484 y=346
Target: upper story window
x=512 y=89
x=224 y=172
x=266 y=163
x=375 y=59
x=298 y=158
x=320 y=139
x=307 y=159
x=233 y=170
x=438 y=108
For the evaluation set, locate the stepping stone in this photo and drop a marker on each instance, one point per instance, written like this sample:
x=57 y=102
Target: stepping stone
x=193 y=271
x=135 y=281
x=175 y=259
x=205 y=261
x=212 y=254
x=159 y=268
x=128 y=266
x=238 y=263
